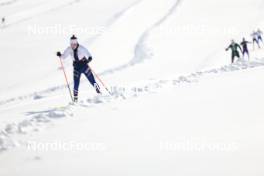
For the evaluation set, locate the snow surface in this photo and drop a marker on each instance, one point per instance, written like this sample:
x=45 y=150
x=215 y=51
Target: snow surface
x=178 y=107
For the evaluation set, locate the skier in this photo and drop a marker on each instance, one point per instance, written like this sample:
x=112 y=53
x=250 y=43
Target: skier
x=3 y=21
x=260 y=33
x=234 y=47
x=244 y=45
x=255 y=39
x=81 y=57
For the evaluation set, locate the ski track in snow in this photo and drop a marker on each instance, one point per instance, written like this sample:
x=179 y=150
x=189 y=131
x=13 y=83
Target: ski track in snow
x=141 y=51
x=35 y=121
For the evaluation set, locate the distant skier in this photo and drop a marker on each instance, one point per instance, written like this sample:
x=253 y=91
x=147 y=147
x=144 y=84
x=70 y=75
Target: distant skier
x=3 y=21
x=245 y=50
x=255 y=39
x=234 y=48
x=81 y=57
x=260 y=33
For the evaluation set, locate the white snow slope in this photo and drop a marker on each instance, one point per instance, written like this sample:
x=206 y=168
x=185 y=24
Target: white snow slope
x=178 y=107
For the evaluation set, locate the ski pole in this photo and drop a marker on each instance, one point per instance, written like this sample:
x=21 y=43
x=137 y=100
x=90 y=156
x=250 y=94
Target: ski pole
x=100 y=80
x=67 y=82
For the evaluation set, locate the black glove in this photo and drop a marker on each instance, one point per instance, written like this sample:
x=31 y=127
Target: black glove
x=59 y=54
x=90 y=59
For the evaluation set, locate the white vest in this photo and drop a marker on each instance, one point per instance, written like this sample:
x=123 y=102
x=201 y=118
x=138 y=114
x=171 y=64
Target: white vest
x=82 y=52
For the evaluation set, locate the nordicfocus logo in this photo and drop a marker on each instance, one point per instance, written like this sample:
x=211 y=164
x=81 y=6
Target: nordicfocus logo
x=198 y=145
x=59 y=29
x=66 y=146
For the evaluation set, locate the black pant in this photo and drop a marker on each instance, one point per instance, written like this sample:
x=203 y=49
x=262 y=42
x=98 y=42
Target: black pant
x=77 y=77
x=235 y=54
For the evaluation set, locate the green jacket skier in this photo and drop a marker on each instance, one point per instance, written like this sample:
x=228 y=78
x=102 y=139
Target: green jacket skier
x=234 y=48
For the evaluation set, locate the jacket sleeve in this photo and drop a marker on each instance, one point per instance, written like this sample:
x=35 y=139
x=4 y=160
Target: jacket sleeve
x=86 y=53
x=239 y=47
x=66 y=53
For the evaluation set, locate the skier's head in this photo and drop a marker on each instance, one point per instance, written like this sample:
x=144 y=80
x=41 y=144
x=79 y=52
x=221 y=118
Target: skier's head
x=232 y=41
x=244 y=39
x=74 y=42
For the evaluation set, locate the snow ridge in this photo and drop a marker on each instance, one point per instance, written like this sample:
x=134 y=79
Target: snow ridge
x=141 y=51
